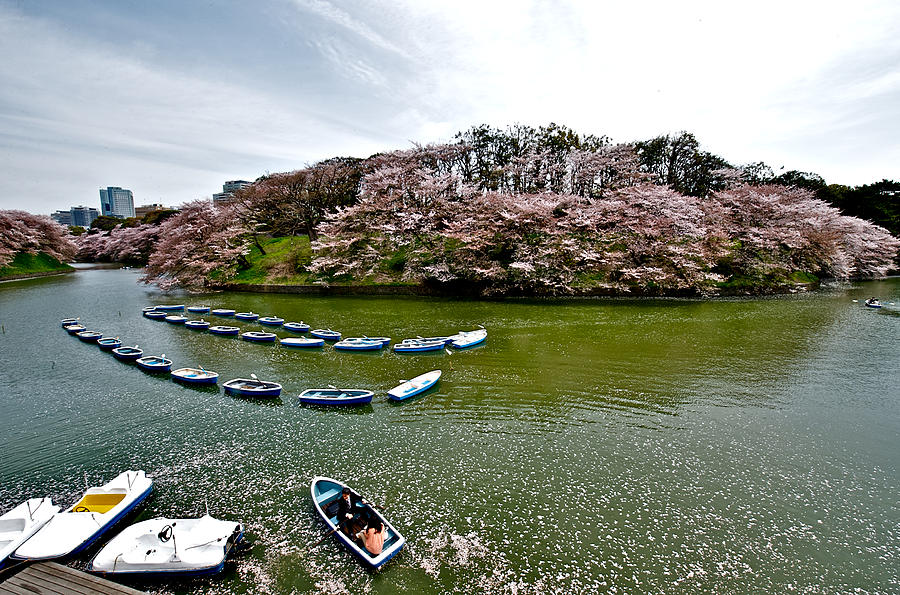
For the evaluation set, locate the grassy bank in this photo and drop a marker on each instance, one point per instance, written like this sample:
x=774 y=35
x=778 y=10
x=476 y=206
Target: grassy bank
x=28 y=265
x=284 y=262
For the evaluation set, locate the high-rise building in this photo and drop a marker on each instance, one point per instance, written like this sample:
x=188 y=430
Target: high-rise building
x=144 y=209
x=83 y=216
x=62 y=217
x=116 y=202
x=228 y=189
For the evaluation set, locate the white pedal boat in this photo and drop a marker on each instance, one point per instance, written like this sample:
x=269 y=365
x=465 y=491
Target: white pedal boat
x=23 y=521
x=100 y=508
x=169 y=546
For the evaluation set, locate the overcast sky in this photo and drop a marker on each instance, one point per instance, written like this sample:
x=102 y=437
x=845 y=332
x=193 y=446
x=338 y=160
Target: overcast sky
x=172 y=98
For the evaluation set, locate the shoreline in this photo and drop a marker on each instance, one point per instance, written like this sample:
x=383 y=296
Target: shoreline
x=36 y=275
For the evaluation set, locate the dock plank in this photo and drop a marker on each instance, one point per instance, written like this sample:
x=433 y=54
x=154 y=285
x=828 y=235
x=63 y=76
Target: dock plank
x=50 y=578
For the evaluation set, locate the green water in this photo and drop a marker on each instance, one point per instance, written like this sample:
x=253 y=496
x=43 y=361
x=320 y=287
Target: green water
x=615 y=446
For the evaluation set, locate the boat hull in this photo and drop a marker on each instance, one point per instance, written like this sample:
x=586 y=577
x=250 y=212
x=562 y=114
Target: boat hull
x=358 y=345
x=198 y=309
x=170 y=308
x=326 y=335
x=224 y=312
x=224 y=330
x=195 y=376
x=271 y=321
x=127 y=356
x=259 y=337
x=298 y=343
x=197 y=325
x=154 y=364
x=296 y=327
x=23 y=521
x=244 y=388
x=109 y=344
x=418 y=347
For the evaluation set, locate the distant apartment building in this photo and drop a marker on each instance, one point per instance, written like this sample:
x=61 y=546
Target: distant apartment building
x=144 y=209
x=83 y=216
x=116 y=202
x=228 y=189
x=62 y=217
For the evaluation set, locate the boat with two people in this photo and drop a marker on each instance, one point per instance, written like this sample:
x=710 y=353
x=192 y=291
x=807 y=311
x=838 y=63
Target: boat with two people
x=326 y=493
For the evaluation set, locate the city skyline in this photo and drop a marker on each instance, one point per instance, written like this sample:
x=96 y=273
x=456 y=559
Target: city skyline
x=172 y=98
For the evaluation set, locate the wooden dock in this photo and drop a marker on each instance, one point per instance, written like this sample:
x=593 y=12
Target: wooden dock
x=50 y=578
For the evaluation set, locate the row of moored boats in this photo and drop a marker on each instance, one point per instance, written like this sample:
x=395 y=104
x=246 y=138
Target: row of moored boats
x=318 y=337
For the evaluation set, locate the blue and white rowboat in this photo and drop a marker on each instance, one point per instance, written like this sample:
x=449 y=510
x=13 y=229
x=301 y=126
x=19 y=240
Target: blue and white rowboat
x=222 y=312
x=325 y=493
x=127 y=354
x=466 y=339
x=155 y=314
x=302 y=342
x=68 y=322
x=88 y=336
x=154 y=363
x=252 y=388
x=195 y=376
x=296 y=327
x=109 y=343
x=271 y=321
x=259 y=337
x=75 y=328
x=246 y=315
x=224 y=330
x=197 y=325
x=327 y=334
x=417 y=346
x=198 y=309
x=358 y=344
x=170 y=308
x=176 y=319
x=335 y=396
x=416 y=386
x=99 y=509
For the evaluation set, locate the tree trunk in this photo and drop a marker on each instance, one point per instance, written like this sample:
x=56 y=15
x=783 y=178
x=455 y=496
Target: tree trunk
x=258 y=245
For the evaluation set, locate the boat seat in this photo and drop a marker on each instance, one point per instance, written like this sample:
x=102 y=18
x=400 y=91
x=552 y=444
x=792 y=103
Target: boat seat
x=101 y=503
x=11 y=526
x=324 y=497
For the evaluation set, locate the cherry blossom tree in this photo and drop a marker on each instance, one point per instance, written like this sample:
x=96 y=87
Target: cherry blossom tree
x=23 y=232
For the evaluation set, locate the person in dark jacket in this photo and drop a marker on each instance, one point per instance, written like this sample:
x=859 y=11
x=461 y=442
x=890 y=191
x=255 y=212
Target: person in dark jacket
x=348 y=508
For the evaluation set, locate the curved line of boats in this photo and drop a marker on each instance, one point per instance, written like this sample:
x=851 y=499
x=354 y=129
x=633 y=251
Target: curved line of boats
x=254 y=387
x=38 y=530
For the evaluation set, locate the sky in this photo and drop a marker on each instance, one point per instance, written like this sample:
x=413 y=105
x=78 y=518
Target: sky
x=172 y=98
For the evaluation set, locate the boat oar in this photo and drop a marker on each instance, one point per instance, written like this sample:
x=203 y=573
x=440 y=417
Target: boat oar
x=329 y=534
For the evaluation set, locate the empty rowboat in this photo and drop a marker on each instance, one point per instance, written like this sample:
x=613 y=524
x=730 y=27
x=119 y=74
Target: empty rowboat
x=327 y=334
x=154 y=363
x=170 y=308
x=246 y=315
x=466 y=339
x=88 y=336
x=418 y=346
x=358 y=344
x=259 y=337
x=109 y=343
x=101 y=507
x=416 y=386
x=325 y=493
x=296 y=327
x=197 y=325
x=302 y=342
x=195 y=376
x=335 y=396
x=162 y=547
x=271 y=321
x=252 y=388
x=68 y=322
x=23 y=521
x=127 y=354
x=155 y=315
x=224 y=330
x=198 y=309
x=222 y=312
x=74 y=328
x=176 y=319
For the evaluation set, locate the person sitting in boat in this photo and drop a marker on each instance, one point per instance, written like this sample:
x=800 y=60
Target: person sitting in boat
x=347 y=504
x=373 y=537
